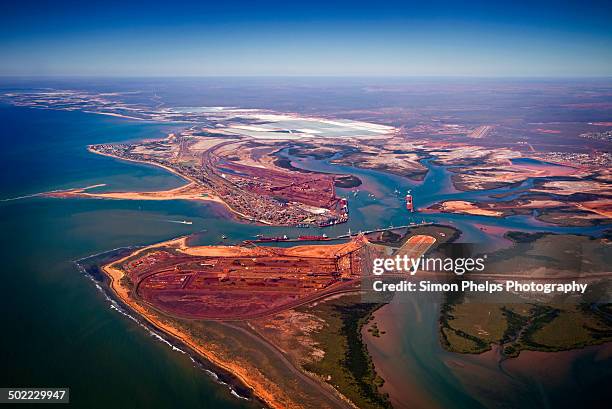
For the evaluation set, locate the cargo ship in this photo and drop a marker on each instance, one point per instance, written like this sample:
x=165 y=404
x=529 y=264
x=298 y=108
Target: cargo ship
x=409 y=204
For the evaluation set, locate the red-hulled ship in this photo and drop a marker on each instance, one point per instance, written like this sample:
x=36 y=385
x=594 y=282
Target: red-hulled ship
x=323 y=237
x=409 y=204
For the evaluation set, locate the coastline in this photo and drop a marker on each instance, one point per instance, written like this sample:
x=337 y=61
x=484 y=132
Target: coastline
x=218 y=373
x=121 y=295
x=211 y=197
x=246 y=379
x=109 y=359
x=187 y=178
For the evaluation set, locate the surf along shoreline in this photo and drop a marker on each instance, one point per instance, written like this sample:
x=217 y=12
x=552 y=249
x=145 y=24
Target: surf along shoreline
x=109 y=280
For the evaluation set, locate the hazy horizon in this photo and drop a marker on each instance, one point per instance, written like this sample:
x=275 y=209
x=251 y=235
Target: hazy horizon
x=348 y=39
x=314 y=76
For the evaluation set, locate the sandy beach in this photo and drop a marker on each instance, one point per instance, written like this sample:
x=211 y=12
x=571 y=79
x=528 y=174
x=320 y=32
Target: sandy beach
x=250 y=377
x=461 y=206
x=190 y=191
x=193 y=190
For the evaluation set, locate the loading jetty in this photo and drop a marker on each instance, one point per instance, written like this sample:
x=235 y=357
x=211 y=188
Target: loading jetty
x=264 y=239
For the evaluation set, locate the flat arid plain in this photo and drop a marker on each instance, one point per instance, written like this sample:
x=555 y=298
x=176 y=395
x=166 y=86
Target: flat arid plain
x=249 y=228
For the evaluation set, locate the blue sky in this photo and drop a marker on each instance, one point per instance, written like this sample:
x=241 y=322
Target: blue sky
x=337 y=38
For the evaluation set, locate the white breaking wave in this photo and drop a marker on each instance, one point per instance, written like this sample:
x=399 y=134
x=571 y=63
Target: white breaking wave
x=233 y=392
x=113 y=305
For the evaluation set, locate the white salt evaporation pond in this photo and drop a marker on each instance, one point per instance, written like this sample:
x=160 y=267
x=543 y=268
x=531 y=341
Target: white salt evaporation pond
x=263 y=124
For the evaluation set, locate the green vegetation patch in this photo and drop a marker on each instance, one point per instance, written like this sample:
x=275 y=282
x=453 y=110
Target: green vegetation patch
x=460 y=343
x=574 y=326
x=346 y=363
x=485 y=322
x=473 y=327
